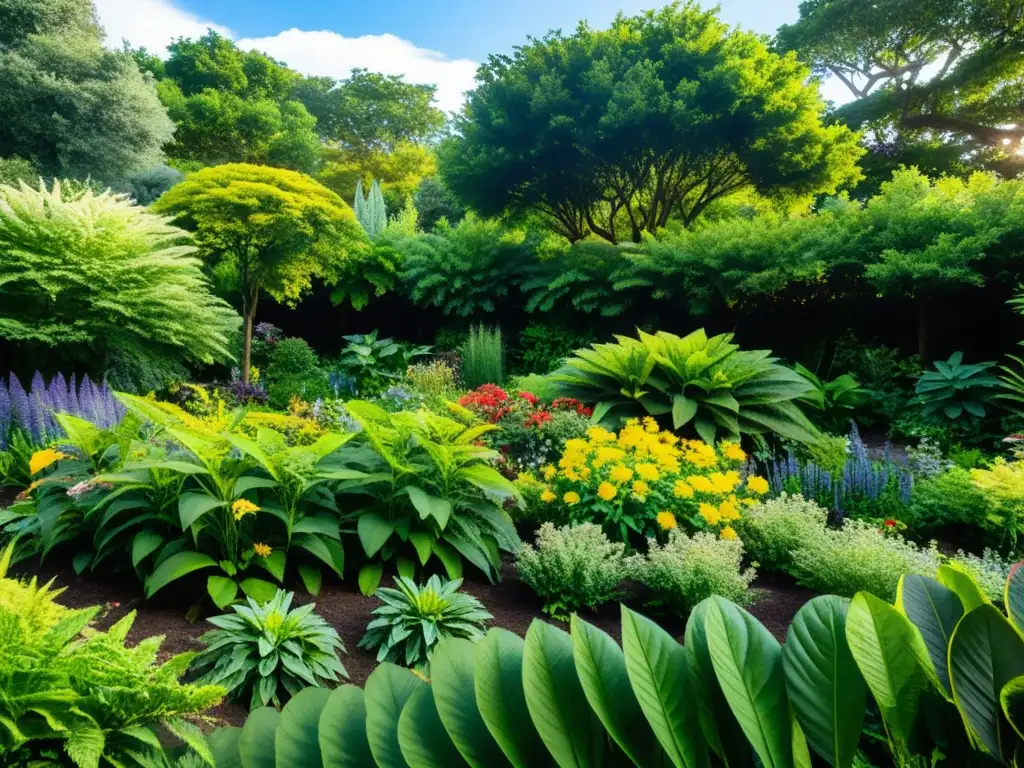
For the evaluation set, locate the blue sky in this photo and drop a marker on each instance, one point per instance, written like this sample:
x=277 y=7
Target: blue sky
x=427 y=41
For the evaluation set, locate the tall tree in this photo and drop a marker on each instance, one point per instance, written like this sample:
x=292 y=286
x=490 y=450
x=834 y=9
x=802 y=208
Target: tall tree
x=274 y=229
x=399 y=171
x=70 y=106
x=937 y=73
x=616 y=132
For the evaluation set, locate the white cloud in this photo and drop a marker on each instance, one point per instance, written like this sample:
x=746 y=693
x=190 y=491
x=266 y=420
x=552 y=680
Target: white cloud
x=151 y=24
x=156 y=23
x=329 y=53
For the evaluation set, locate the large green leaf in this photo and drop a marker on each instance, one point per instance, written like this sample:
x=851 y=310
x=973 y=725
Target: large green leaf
x=144 y=544
x=451 y=677
x=683 y=410
x=748 y=664
x=421 y=735
x=175 y=567
x=256 y=742
x=985 y=653
x=1013 y=596
x=388 y=688
x=955 y=578
x=369 y=578
x=222 y=590
x=192 y=506
x=1012 y=700
x=223 y=743
x=429 y=506
x=935 y=610
x=825 y=687
x=374 y=531
x=882 y=641
x=342 y=729
x=326 y=550
x=498 y=684
x=556 y=701
x=298 y=730
x=260 y=590
x=643 y=688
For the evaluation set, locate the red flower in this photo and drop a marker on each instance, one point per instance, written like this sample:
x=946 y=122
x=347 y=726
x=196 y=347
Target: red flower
x=537 y=419
x=529 y=397
x=571 y=404
x=890 y=523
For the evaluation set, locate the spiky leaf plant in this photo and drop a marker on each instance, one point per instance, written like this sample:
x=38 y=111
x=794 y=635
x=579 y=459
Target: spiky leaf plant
x=414 y=618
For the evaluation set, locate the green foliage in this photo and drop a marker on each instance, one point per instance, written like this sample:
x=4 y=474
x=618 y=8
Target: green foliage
x=434 y=494
x=269 y=652
x=376 y=363
x=398 y=171
x=955 y=390
x=415 y=618
x=463 y=270
x=573 y=567
x=71 y=106
x=590 y=276
x=772 y=530
x=436 y=381
x=947 y=499
x=543 y=348
x=685 y=570
x=704 y=382
x=837 y=400
x=100 y=279
x=78 y=696
x=15 y=169
x=483 y=357
x=273 y=230
x=371 y=210
x=638 y=101
x=1003 y=485
x=294 y=370
x=145 y=187
x=434 y=202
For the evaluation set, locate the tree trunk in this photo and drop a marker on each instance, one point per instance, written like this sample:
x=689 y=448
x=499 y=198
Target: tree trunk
x=923 y=331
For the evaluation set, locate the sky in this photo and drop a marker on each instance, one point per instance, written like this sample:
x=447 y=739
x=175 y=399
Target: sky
x=427 y=41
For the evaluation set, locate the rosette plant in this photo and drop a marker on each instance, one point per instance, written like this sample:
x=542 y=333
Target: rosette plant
x=955 y=390
x=434 y=494
x=707 y=384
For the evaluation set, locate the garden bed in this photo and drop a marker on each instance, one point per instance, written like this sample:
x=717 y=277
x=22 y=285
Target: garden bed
x=513 y=604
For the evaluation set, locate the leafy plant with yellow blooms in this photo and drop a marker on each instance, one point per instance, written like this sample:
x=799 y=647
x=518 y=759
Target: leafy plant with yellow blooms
x=645 y=481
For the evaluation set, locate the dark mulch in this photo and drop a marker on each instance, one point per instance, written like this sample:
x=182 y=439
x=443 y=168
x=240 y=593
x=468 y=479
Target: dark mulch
x=513 y=604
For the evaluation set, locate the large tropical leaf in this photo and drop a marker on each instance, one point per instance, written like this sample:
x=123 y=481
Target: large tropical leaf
x=388 y=688
x=935 y=610
x=298 y=730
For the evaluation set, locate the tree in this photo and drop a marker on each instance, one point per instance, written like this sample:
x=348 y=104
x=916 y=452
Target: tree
x=98 y=278
x=434 y=201
x=399 y=172
x=370 y=112
x=214 y=63
x=616 y=132
x=925 y=69
x=274 y=229
x=71 y=107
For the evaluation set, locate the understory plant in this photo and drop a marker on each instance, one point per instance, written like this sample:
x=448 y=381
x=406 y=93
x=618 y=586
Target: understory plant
x=483 y=357
x=376 y=363
x=268 y=653
x=955 y=390
x=1003 y=486
x=773 y=529
x=413 y=619
x=573 y=567
x=942 y=668
x=704 y=384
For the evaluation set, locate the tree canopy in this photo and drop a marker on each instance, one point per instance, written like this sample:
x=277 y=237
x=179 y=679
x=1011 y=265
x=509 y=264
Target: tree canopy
x=274 y=230
x=71 y=107
x=618 y=131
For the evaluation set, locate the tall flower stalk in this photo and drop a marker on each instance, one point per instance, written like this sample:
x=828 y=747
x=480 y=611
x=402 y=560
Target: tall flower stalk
x=34 y=410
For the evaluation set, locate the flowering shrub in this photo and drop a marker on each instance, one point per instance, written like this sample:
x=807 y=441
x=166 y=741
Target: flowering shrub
x=1003 y=484
x=645 y=481
x=773 y=529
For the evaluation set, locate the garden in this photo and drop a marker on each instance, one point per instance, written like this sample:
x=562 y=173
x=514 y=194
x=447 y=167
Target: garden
x=650 y=410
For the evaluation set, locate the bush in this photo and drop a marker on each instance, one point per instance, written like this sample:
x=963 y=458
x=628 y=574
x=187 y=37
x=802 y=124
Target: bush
x=413 y=619
x=572 y=567
x=949 y=498
x=483 y=357
x=269 y=652
x=435 y=380
x=294 y=370
x=543 y=348
x=774 y=529
x=1003 y=484
x=686 y=570
x=146 y=186
x=856 y=557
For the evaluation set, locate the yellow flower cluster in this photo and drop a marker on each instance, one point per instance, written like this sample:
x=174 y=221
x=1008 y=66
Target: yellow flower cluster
x=40 y=460
x=651 y=478
x=263 y=550
x=243 y=507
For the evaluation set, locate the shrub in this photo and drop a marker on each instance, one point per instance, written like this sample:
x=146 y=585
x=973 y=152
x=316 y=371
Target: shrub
x=269 y=652
x=949 y=498
x=294 y=370
x=645 y=481
x=705 y=384
x=483 y=357
x=543 y=348
x=686 y=570
x=127 y=280
x=573 y=567
x=413 y=619
x=377 y=363
x=859 y=557
x=435 y=380
x=772 y=530
x=1003 y=484
x=146 y=186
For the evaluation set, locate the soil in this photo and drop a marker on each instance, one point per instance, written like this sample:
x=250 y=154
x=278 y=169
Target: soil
x=513 y=604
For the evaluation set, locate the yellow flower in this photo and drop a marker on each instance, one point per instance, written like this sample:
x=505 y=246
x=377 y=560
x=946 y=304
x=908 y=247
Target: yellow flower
x=263 y=550
x=757 y=484
x=710 y=514
x=243 y=507
x=723 y=483
x=700 y=483
x=42 y=459
x=666 y=520
x=572 y=474
x=600 y=435
x=585 y=473
x=648 y=472
x=650 y=425
x=640 y=488
x=682 y=490
x=548 y=472
x=729 y=510
x=571 y=497
x=748 y=502
x=727 y=533
x=621 y=474
x=576 y=445
x=547 y=496
x=606 y=491
x=733 y=451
